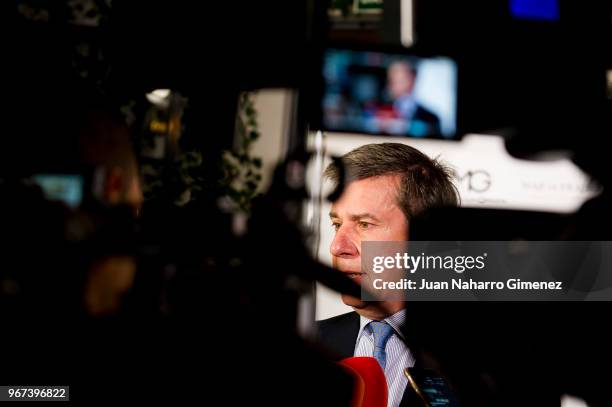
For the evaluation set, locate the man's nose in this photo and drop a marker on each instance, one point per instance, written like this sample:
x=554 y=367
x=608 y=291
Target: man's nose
x=344 y=244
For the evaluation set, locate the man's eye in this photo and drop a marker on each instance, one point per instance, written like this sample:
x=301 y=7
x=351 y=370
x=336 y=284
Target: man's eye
x=364 y=225
x=336 y=226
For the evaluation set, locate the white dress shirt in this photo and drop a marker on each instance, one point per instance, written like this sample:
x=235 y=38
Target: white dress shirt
x=399 y=356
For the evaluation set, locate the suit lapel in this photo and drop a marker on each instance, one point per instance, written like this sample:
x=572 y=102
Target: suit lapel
x=339 y=334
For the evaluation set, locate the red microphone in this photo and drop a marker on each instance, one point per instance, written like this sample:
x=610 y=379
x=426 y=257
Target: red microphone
x=370 y=383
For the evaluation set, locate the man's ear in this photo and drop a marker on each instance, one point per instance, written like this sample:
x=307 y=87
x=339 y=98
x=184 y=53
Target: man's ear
x=113 y=186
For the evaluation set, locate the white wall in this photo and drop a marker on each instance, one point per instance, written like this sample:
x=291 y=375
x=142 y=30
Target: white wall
x=272 y=107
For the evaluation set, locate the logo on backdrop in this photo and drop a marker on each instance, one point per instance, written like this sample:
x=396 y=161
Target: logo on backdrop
x=476 y=180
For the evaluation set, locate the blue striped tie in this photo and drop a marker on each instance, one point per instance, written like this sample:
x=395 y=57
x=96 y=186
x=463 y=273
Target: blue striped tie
x=382 y=332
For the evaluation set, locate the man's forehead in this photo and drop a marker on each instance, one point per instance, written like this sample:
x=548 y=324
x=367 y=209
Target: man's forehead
x=374 y=196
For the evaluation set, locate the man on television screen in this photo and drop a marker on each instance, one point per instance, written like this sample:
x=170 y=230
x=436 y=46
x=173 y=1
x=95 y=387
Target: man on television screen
x=405 y=116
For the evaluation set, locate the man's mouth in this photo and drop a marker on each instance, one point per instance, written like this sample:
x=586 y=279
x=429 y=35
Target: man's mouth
x=353 y=275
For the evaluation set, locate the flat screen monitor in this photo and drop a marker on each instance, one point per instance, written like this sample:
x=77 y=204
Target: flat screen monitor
x=389 y=94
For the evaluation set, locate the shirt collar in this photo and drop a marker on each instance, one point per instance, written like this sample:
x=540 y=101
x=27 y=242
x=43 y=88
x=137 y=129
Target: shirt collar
x=396 y=321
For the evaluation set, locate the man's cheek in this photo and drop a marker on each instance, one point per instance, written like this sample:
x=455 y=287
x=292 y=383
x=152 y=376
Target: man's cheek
x=388 y=233
x=378 y=233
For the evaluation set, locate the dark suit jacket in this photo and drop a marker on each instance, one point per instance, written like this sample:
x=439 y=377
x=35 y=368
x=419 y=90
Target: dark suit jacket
x=339 y=334
x=484 y=364
x=428 y=118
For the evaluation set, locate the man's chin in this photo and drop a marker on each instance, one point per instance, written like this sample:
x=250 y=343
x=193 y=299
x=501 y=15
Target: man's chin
x=353 y=301
x=372 y=310
x=363 y=308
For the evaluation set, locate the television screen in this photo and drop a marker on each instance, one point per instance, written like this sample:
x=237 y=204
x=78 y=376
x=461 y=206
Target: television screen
x=61 y=187
x=535 y=9
x=389 y=94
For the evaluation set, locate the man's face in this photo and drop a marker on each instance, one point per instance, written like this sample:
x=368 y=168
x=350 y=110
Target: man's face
x=367 y=210
x=400 y=80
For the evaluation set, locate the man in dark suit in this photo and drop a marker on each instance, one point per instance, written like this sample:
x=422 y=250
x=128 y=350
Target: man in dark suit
x=386 y=186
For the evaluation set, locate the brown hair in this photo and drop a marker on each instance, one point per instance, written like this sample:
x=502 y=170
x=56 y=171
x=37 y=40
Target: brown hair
x=424 y=183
